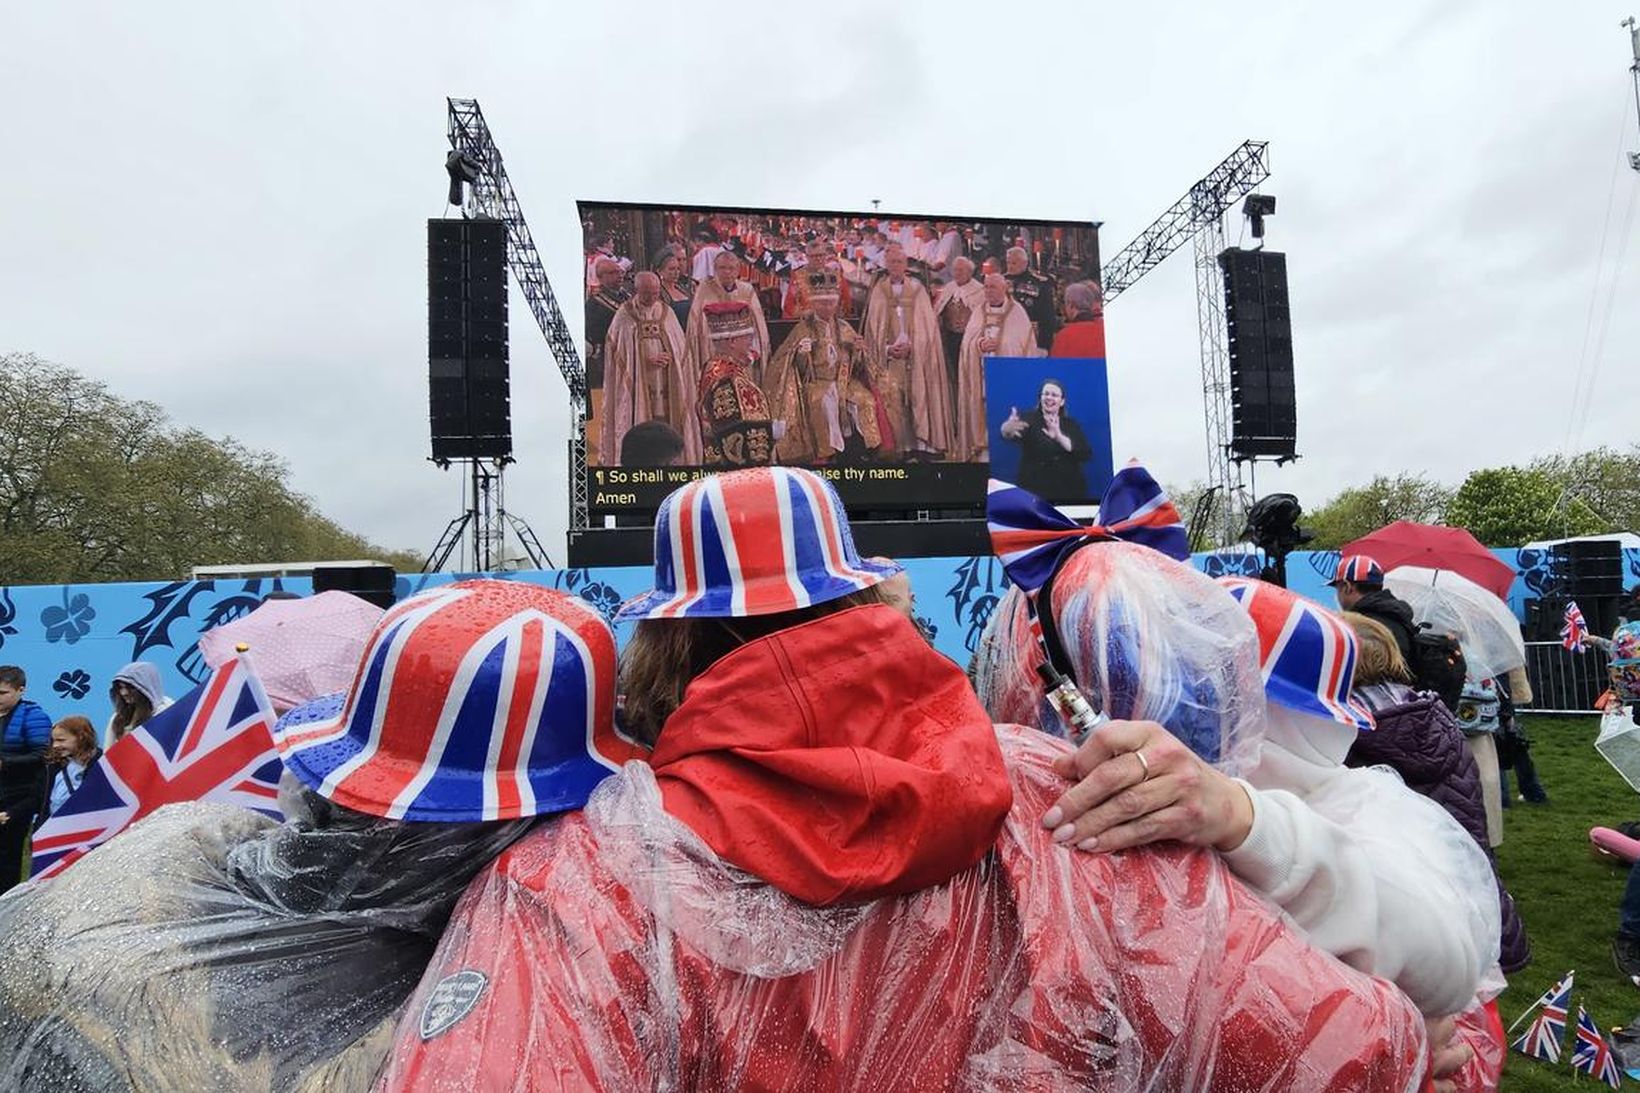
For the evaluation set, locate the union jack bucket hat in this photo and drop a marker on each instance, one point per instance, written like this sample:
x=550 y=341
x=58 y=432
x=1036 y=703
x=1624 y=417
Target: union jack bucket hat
x=1358 y=569
x=478 y=700
x=752 y=542
x=1306 y=653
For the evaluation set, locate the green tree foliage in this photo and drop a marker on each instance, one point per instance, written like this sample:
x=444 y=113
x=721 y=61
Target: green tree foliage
x=1602 y=483
x=1508 y=506
x=1202 y=511
x=1362 y=509
x=98 y=488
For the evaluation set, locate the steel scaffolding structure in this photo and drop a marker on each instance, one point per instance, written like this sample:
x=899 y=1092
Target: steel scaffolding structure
x=490 y=193
x=1198 y=217
x=1223 y=472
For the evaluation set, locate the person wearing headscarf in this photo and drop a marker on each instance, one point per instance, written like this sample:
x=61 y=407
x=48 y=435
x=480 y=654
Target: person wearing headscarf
x=830 y=875
x=211 y=947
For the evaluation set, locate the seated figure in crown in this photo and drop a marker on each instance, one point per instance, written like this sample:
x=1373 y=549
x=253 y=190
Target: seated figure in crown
x=819 y=384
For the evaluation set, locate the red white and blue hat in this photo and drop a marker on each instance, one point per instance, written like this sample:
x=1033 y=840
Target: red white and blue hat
x=1306 y=653
x=1358 y=569
x=478 y=700
x=752 y=542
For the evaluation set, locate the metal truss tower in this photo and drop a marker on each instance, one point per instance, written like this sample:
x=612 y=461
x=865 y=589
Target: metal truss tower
x=1223 y=473
x=490 y=193
x=1198 y=217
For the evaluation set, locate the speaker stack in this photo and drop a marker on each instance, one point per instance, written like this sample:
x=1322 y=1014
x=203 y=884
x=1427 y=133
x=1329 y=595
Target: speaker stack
x=1264 y=416
x=370 y=581
x=1590 y=571
x=470 y=403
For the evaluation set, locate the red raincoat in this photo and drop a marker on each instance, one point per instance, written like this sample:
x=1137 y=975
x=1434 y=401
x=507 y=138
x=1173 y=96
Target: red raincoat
x=900 y=941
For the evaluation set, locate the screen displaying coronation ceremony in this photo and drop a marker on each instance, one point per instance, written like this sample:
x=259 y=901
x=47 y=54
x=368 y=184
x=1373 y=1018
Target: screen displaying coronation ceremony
x=851 y=343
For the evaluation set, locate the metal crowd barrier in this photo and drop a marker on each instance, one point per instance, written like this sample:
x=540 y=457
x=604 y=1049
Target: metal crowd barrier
x=1564 y=682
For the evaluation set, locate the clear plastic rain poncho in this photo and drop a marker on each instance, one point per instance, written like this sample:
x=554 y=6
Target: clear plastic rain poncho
x=1152 y=640
x=210 y=948
x=611 y=949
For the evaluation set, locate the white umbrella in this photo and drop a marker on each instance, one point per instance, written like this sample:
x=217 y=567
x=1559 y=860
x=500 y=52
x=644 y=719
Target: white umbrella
x=1453 y=604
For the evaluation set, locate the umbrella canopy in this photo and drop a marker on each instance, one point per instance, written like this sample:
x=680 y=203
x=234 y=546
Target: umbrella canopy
x=1436 y=547
x=1453 y=604
x=301 y=649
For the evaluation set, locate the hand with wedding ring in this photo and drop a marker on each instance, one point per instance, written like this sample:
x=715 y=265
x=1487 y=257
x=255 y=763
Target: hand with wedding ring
x=1137 y=784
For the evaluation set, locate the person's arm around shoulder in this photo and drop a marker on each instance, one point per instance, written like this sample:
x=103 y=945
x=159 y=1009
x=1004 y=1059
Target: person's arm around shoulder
x=1388 y=882
x=1383 y=879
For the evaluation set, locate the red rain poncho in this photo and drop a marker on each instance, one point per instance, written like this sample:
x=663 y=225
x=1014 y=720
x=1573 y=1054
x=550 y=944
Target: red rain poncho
x=629 y=947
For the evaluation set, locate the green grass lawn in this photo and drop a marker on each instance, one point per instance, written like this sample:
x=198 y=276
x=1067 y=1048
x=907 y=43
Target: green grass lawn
x=1567 y=897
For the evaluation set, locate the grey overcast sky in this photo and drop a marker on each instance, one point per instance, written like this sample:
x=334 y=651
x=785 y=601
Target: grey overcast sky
x=219 y=206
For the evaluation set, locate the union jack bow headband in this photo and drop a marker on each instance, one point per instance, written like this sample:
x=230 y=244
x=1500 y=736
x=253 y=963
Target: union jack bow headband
x=1031 y=537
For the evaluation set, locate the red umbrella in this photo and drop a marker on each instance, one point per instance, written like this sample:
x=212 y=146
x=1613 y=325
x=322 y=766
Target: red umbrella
x=1436 y=547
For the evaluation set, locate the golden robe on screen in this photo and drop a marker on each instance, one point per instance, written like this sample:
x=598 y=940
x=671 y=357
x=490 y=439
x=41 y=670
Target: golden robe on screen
x=913 y=386
x=1009 y=325
x=822 y=393
x=647 y=377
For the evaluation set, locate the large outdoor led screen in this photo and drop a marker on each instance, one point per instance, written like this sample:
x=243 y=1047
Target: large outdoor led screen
x=852 y=343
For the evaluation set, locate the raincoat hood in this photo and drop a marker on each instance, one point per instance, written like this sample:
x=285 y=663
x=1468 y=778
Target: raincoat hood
x=840 y=760
x=145 y=678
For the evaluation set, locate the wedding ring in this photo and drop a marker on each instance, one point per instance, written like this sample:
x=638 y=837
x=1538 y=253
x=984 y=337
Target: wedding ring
x=1139 y=754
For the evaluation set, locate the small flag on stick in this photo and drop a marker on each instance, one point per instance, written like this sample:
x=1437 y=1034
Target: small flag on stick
x=1591 y=1054
x=1544 y=1036
x=1574 y=629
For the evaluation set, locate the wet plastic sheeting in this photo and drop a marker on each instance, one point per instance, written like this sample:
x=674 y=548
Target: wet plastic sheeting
x=611 y=949
x=209 y=948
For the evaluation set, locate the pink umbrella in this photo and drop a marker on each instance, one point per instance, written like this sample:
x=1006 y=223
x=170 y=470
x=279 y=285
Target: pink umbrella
x=301 y=649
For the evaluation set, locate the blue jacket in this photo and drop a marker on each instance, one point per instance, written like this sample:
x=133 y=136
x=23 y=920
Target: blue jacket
x=24 y=737
x=27 y=729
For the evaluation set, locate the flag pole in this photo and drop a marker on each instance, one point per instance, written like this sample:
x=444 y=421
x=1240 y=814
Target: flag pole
x=1553 y=990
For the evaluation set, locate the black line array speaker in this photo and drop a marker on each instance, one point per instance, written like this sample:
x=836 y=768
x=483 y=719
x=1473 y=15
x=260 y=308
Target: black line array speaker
x=370 y=581
x=1264 y=415
x=469 y=400
x=1589 y=567
x=1590 y=572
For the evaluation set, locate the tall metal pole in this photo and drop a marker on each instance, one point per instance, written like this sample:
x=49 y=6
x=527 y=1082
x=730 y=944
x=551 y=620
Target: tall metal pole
x=1634 y=44
x=1222 y=471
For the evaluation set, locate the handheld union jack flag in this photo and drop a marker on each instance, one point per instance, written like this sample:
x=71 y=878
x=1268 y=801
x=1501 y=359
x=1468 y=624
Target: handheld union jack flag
x=214 y=744
x=1575 y=629
x=1590 y=1053
x=1543 y=1037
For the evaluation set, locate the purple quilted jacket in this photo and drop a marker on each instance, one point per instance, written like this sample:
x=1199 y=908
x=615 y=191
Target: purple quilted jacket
x=1418 y=738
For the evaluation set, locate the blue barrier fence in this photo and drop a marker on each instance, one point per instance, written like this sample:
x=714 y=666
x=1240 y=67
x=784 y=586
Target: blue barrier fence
x=71 y=639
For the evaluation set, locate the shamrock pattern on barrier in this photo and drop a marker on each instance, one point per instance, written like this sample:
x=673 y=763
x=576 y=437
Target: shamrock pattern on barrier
x=75 y=684
x=70 y=622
